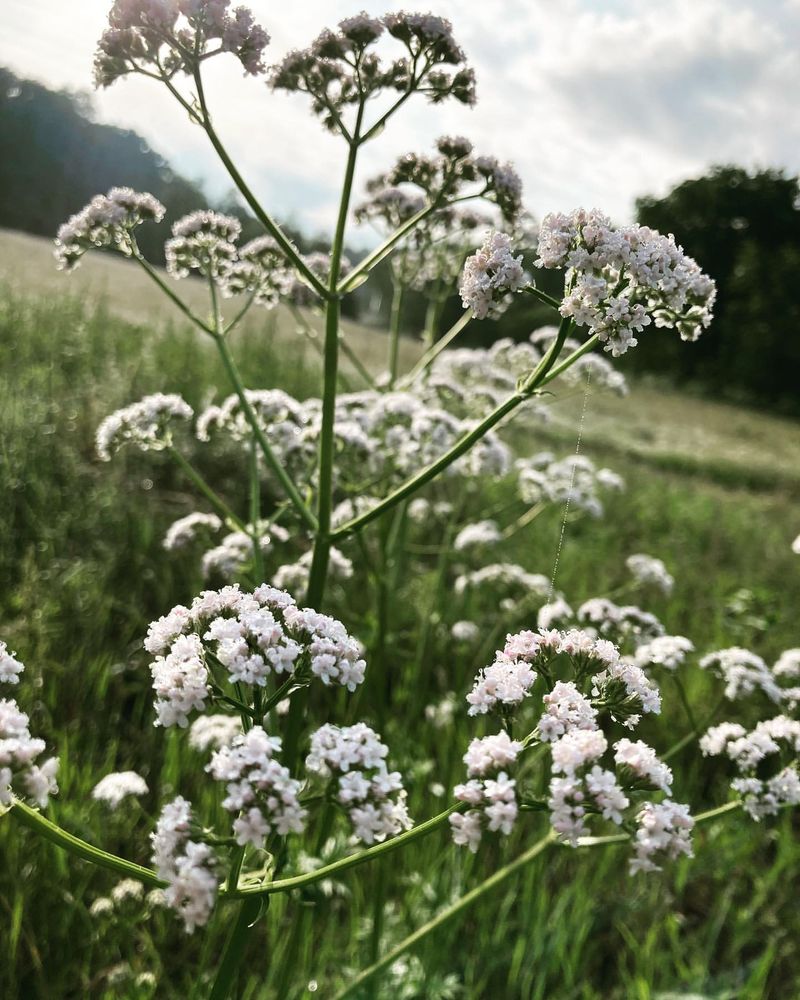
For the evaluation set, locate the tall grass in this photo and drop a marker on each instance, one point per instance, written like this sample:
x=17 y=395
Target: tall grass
x=82 y=572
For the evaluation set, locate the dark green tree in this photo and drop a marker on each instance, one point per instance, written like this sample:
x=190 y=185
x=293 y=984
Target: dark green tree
x=744 y=230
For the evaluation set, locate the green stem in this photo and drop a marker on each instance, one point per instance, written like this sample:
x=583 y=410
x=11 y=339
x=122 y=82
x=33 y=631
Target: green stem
x=355 y=361
x=234 y=948
x=432 y=313
x=394 y=330
x=685 y=702
x=266 y=221
x=216 y=501
x=694 y=733
x=298 y=881
x=433 y=352
x=353 y=279
x=322 y=541
x=273 y=462
x=432 y=470
x=239 y=316
x=448 y=913
x=620 y=838
x=494 y=880
x=318 y=572
x=80 y=848
x=536 y=379
x=176 y=299
x=570 y=359
x=537 y=293
x=255 y=512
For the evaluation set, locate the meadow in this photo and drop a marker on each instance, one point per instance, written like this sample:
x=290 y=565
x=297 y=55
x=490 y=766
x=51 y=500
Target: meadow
x=711 y=489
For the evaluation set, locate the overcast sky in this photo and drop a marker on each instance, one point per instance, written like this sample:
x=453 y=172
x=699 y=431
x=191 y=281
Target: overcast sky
x=595 y=102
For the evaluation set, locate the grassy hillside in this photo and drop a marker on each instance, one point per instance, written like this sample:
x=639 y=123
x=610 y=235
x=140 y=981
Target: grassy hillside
x=711 y=489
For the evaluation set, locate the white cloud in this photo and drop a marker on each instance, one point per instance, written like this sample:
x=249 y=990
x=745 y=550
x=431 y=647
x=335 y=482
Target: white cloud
x=595 y=102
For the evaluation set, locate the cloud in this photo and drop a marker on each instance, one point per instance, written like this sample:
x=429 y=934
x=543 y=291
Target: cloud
x=595 y=103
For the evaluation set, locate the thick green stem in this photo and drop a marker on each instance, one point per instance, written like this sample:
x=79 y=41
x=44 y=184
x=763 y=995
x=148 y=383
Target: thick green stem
x=80 y=848
x=433 y=352
x=448 y=913
x=394 y=330
x=273 y=462
x=216 y=501
x=570 y=359
x=318 y=573
x=322 y=541
x=249 y=911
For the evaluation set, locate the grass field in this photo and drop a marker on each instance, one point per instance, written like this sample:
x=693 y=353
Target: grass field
x=712 y=490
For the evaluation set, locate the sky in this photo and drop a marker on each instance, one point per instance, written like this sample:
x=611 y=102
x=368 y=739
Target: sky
x=594 y=101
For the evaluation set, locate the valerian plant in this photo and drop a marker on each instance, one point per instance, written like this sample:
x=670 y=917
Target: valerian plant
x=255 y=672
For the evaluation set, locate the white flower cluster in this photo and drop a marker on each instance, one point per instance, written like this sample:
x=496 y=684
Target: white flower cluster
x=509 y=680
x=650 y=572
x=215 y=731
x=372 y=795
x=489 y=792
x=643 y=764
x=465 y=630
x=490 y=275
x=185 y=530
x=107 y=221
x=294 y=576
x=205 y=242
x=259 y=789
x=476 y=535
x=126 y=898
x=10 y=666
x=474 y=378
x=779 y=737
x=579 y=786
x=543 y=478
x=235 y=550
x=506 y=682
x=252 y=636
x=19 y=772
x=186 y=864
x=173 y=36
x=663 y=831
x=378 y=434
x=787 y=667
x=146 y=423
x=620 y=621
x=620 y=280
x=743 y=673
x=566 y=709
x=19 y=751
x=114 y=788
x=668 y=651
x=508 y=577
x=626 y=691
